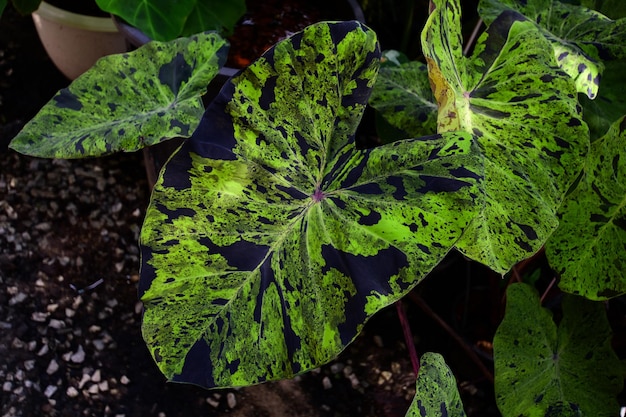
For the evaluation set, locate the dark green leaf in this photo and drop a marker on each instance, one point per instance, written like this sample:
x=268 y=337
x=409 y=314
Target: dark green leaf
x=24 y=7
x=588 y=247
x=545 y=371
x=581 y=38
x=436 y=392
x=128 y=101
x=610 y=104
x=524 y=111
x=615 y=9
x=215 y=15
x=271 y=239
x=161 y=20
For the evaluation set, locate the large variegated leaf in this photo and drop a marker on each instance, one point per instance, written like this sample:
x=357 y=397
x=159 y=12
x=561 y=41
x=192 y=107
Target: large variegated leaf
x=271 y=239
x=436 y=393
x=589 y=247
x=581 y=38
x=542 y=370
x=524 y=111
x=403 y=97
x=127 y=101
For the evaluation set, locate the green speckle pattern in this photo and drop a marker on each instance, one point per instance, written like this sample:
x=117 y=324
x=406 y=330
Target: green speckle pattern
x=588 y=247
x=403 y=97
x=128 y=101
x=581 y=38
x=523 y=110
x=436 y=393
x=539 y=368
x=271 y=239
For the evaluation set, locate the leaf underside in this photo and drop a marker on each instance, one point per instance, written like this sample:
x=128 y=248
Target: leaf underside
x=542 y=370
x=588 y=247
x=436 y=393
x=271 y=239
x=523 y=109
x=581 y=38
x=128 y=101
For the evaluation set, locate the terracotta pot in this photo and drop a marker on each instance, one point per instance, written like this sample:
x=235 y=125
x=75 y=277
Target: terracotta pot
x=75 y=42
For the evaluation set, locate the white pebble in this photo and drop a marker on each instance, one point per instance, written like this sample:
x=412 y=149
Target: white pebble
x=124 y=380
x=17 y=298
x=53 y=366
x=96 y=377
x=56 y=324
x=86 y=378
x=39 y=317
x=326 y=383
x=72 y=392
x=79 y=356
x=231 y=400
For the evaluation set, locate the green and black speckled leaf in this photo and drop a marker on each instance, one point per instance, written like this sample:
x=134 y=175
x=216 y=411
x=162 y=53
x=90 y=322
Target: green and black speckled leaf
x=524 y=112
x=403 y=97
x=542 y=370
x=271 y=239
x=589 y=247
x=581 y=38
x=436 y=392
x=127 y=101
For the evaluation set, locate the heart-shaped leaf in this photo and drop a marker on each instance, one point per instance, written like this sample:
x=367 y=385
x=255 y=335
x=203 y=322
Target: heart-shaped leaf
x=436 y=392
x=581 y=38
x=524 y=111
x=541 y=370
x=161 y=20
x=165 y=20
x=588 y=247
x=127 y=101
x=403 y=96
x=271 y=239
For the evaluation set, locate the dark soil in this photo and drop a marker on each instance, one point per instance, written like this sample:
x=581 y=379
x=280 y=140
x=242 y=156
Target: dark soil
x=70 y=341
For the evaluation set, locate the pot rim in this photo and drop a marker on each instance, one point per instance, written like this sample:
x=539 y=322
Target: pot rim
x=75 y=20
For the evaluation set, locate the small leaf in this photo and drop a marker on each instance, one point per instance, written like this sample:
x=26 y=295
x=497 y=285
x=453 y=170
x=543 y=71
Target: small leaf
x=524 y=112
x=403 y=96
x=160 y=20
x=24 y=7
x=581 y=38
x=436 y=393
x=588 y=247
x=215 y=15
x=127 y=101
x=544 y=371
x=271 y=239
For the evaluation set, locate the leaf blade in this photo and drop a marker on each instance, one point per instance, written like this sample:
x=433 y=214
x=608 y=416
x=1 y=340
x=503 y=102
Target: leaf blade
x=127 y=101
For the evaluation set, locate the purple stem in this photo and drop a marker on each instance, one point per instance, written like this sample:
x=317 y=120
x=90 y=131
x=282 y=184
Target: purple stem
x=408 y=336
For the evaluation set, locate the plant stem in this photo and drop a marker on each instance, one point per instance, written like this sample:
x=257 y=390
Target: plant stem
x=545 y=293
x=408 y=336
x=470 y=352
x=473 y=36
